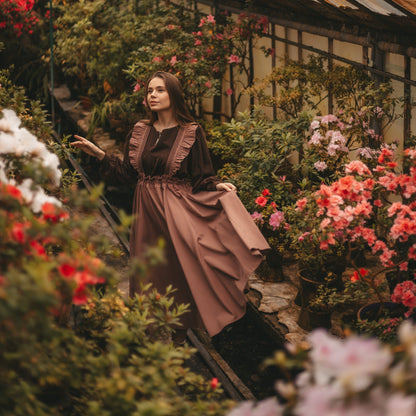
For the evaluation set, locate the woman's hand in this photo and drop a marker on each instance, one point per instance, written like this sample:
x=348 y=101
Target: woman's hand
x=225 y=186
x=88 y=147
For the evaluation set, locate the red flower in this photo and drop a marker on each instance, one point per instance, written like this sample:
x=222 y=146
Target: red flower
x=38 y=249
x=13 y=191
x=261 y=200
x=53 y=213
x=265 y=192
x=18 y=232
x=49 y=212
x=214 y=383
x=358 y=275
x=66 y=270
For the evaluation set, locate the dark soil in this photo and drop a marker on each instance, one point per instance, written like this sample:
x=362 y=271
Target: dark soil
x=245 y=346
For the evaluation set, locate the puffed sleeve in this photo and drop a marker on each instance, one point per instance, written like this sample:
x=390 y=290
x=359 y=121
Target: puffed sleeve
x=114 y=171
x=200 y=165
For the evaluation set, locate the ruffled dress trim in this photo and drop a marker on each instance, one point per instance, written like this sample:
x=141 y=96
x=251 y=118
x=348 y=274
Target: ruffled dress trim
x=138 y=141
x=181 y=148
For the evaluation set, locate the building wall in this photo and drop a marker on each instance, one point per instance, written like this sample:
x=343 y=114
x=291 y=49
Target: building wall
x=301 y=43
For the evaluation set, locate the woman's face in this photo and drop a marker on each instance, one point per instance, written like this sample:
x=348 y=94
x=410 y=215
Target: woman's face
x=157 y=95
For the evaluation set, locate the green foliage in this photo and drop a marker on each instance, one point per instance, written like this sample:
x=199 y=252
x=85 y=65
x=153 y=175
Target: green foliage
x=31 y=112
x=258 y=154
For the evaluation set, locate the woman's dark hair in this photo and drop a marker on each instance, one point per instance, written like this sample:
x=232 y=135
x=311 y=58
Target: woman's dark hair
x=177 y=99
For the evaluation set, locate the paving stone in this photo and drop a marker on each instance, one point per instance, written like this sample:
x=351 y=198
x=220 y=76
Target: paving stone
x=296 y=337
x=289 y=317
x=270 y=304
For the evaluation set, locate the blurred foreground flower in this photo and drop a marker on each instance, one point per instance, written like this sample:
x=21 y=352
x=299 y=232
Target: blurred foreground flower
x=344 y=377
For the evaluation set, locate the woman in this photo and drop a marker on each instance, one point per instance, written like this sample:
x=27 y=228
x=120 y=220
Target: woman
x=212 y=244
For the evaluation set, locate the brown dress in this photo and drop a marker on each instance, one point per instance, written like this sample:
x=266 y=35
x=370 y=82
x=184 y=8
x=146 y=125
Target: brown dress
x=211 y=243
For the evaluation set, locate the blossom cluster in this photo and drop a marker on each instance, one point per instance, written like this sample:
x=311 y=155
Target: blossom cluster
x=348 y=209
x=276 y=218
x=18 y=141
x=405 y=293
x=332 y=139
x=18 y=16
x=345 y=377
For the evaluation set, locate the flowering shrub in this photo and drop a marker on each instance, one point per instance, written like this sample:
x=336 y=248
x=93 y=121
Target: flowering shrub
x=271 y=221
x=371 y=209
x=198 y=56
x=18 y=16
x=352 y=376
x=405 y=293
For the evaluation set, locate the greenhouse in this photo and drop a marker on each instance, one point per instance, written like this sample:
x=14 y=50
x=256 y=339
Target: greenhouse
x=208 y=207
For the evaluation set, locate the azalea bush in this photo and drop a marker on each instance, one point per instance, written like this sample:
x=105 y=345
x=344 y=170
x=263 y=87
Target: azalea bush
x=352 y=376
x=24 y=29
x=371 y=210
x=18 y=17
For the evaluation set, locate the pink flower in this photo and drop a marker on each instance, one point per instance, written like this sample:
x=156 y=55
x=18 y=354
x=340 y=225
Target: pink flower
x=173 y=60
x=276 y=219
x=136 y=87
x=405 y=293
x=229 y=91
x=233 y=59
x=157 y=59
x=198 y=42
x=330 y=118
x=257 y=217
x=315 y=125
x=208 y=84
x=211 y=19
x=358 y=167
x=320 y=166
x=300 y=204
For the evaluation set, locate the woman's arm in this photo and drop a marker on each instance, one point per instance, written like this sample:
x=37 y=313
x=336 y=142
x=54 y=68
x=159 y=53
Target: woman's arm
x=88 y=147
x=112 y=170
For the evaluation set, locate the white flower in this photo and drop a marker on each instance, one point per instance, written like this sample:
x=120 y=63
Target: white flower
x=19 y=141
x=316 y=138
x=407 y=336
x=320 y=166
x=400 y=405
x=352 y=363
x=315 y=125
x=267 y=407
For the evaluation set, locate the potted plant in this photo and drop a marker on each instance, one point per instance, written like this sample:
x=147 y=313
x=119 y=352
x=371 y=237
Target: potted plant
x=372 y=209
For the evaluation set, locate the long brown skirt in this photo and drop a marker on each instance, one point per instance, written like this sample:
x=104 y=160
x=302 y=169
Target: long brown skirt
x=212 y=246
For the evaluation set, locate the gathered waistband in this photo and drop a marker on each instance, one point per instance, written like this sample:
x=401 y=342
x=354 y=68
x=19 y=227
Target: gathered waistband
x=164 y=179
